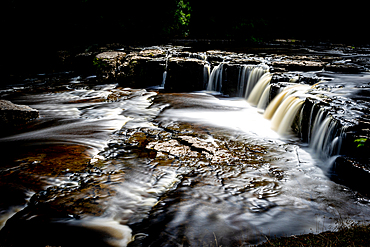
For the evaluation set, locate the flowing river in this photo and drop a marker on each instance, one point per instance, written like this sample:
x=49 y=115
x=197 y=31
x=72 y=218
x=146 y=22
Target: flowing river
x=112 y=166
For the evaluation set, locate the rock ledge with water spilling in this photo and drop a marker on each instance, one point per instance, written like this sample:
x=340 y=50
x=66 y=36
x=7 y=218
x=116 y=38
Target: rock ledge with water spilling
x=235 y=74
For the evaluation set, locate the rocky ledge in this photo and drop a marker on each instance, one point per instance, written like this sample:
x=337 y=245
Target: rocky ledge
x=179 y=70
x=14 y=115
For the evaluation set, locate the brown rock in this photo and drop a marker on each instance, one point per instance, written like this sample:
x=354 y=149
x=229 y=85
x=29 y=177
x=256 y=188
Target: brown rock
x=107 y=65
x=13 y=115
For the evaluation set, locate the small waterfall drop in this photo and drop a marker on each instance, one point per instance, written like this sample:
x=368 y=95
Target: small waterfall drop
x=164 y=78
x=285 y=114
x=259 y=89
x=326 y=135
x=264 y=99
x=168 y=56
x=249 y=77
x=295 y=90
x=242 y=81
x=285 y=107
x=206 y=74
x=215 y=79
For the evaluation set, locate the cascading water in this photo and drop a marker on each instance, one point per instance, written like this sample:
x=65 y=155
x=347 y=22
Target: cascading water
x=168 y=170
x=259 y=89
x=206 y=74
x=284 y=107
x=264 y=99
x=324 y=133
x=168 y=56
x=249 y=76
x=215 y=79
x=254 y=85
x=164 y=78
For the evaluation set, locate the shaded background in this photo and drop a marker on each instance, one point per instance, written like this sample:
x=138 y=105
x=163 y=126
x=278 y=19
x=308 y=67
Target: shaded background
x=74 y=21
x=35 y=29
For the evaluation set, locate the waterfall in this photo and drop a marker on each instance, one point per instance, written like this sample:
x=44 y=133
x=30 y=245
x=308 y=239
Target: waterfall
x=164 y=78
x=259 y=89
x=285 y=114
x=284 y=108
x=248 y=78
x=215 y=79
x=298 y=90
x=264 y=99
x=326 y=135
x=206 y=74
x=271 y=108
x=168 y=56
x=243 y=74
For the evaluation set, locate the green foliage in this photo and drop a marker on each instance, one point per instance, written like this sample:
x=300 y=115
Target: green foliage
x=360 y=142
x=99 y=63
x=182 y=14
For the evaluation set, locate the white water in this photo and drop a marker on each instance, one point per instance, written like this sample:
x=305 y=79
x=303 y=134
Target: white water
x=264 y=99
x=215 y=79
x=300 y=202
x=326 y=136
x=307 y=199
x=259 y=89
x=249 y=75
x=77 y=119
x=116 y=234
x=253 y=77
x=164 y=78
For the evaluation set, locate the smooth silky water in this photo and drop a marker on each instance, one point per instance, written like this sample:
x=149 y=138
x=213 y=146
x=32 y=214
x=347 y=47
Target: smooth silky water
x=163 y=169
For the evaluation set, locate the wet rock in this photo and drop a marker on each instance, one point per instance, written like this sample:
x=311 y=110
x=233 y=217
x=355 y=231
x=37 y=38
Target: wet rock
x=185 y=75
x=298 y=65
x=218 y=54
x=230 y=79
x=352 y=172
x=83 y=63
x=49 y=228
x=344 y=68
x=107 y=65
x=137 y=69
x=154 y=53
x=14 y=115
x=141 y=71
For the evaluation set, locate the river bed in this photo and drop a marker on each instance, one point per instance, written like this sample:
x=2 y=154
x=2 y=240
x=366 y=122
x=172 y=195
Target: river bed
x=112 y=166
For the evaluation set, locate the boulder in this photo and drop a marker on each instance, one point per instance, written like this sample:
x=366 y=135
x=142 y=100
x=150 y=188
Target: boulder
x=137 y=69
x=14 y=115
x=107 y=65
